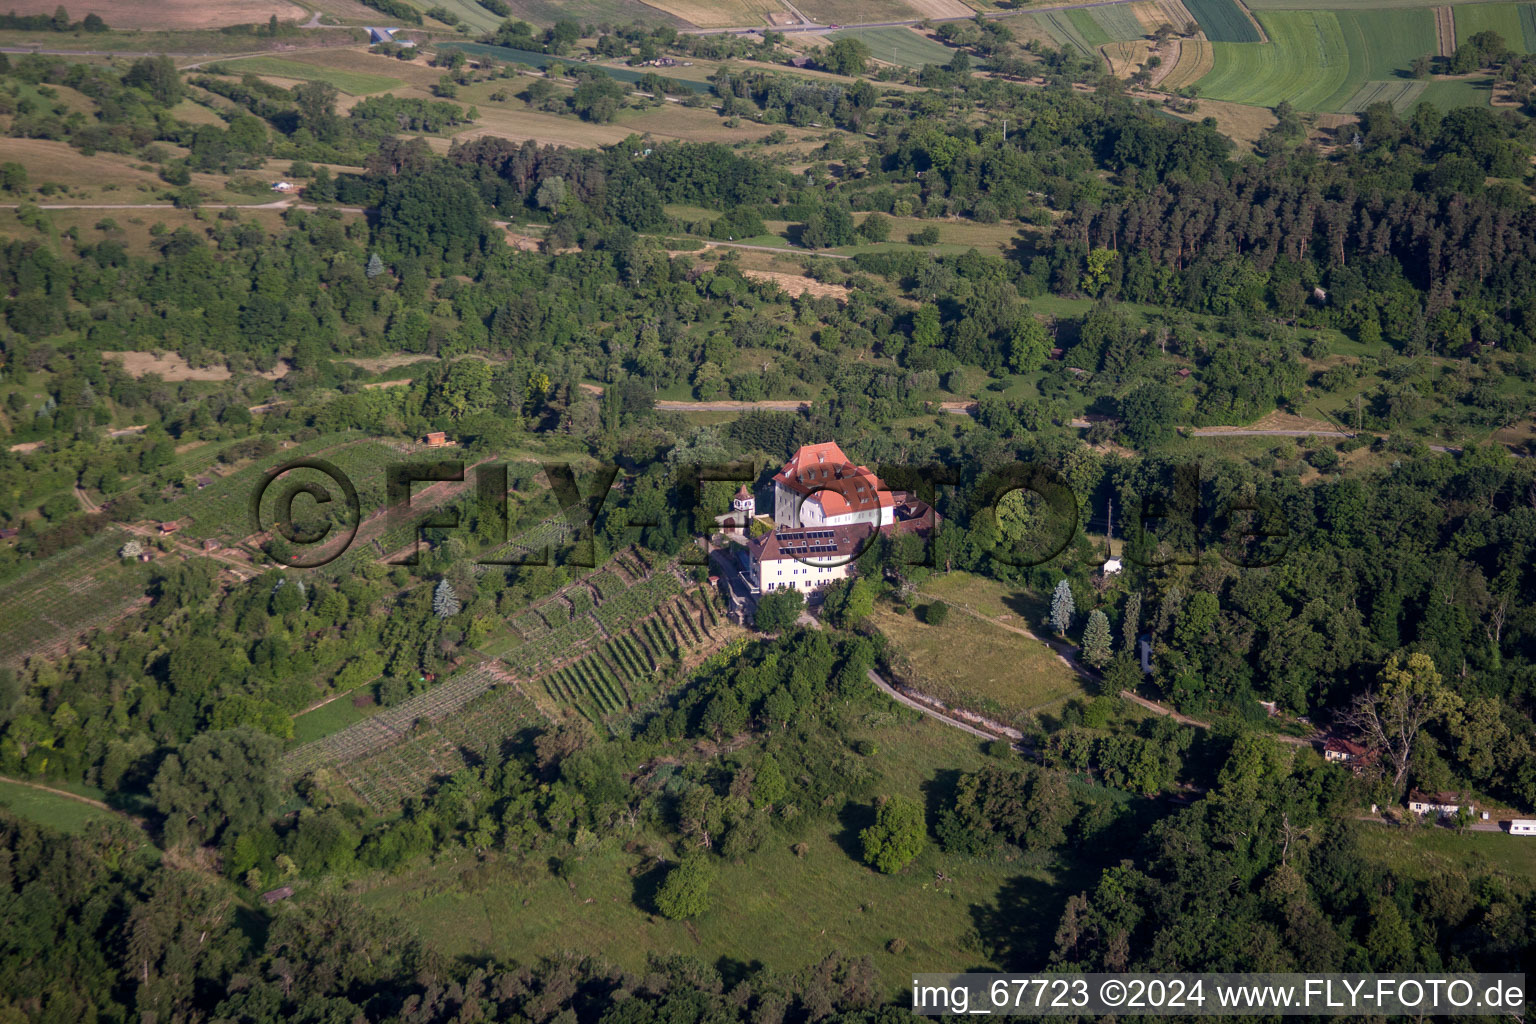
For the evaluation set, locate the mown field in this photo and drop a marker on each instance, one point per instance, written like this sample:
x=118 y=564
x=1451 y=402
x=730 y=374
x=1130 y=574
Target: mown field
x=899 y=45
x=720 y=13
x=1325 y=60
x=51 y=809
x=1003 y=674
x=355 y=83
x=1516 y=23
x=1425 y=852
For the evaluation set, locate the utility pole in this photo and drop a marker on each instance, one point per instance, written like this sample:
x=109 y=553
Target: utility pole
x=1005 y=130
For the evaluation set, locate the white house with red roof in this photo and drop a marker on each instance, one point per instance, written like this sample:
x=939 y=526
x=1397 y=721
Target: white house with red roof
x=826 y=511
x=805 y=559
x=821 y=487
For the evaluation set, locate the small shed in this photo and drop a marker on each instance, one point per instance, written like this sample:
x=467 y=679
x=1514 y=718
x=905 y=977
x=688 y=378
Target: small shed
x=437 y=439
x=1184 y=372
x=284 y=186
x=170 y=527
x=273 y=895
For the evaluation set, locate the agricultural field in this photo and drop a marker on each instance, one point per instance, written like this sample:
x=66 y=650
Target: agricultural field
x=720 y=13
x=1004 y=674
x=624 y=672
x=1402 y=95
x=1196 y=59
x=1516 y=23
x=545 y=13
x=174 y=14
x=1076 y=29
x=1118 y=23
x=601 y=646
x=899 y=45
x=391 y=725
x=469 y=13
x=1323 y=60
x=1223 y=21
x=354 y=83
x=222 y=510
x=849 y=12
x=47 y=608
x=1125 y=58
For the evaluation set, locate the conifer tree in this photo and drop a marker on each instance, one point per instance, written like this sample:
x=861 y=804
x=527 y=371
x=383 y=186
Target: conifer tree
x=444 y=601
x=1097 y=640
x=1062 y=608
x=375 y=266
x=1130 y=626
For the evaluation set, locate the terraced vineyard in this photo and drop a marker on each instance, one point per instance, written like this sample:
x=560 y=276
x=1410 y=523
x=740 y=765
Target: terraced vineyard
x=439 y=748
x=46 y=609
x=600 y=647
x=625 y=671
x=388 y=727
x=587 y=612
x=223 y=508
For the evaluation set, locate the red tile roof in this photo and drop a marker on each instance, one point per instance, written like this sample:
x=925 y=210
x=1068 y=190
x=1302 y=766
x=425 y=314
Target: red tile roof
x=1339 y=745
x=840 y=486
x=812 y=543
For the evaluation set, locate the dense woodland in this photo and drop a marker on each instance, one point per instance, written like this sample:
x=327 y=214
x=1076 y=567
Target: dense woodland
x=1407 y=582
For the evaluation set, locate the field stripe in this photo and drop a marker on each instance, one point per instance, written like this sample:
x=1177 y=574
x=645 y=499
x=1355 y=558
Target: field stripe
x=1223 y=21
x=1401 y=95
x=1528 y=26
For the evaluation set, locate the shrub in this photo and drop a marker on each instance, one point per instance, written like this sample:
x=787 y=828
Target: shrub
x=685 y=892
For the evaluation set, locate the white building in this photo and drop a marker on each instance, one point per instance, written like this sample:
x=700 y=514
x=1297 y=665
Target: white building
x=1522 y=827
x=805 y=559
x=1443 y=805
x=820 y=487
x=736 y=523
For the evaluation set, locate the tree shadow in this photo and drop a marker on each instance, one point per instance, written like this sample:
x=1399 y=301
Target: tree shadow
x=1019 y=926
x=646 y=884
x=854 y=817
x=734 y=972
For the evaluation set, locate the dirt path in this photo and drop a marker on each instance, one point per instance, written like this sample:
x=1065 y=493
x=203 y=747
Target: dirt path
x=1445 y=31
x=137 y=822
x=917 y=705
x=1067 y=656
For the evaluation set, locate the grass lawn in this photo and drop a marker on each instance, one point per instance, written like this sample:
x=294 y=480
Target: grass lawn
x=49 y=809
x=1001 y=672
x=333 y=717
x=1505 y=19
x=782 y=910
x=1424 y=852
